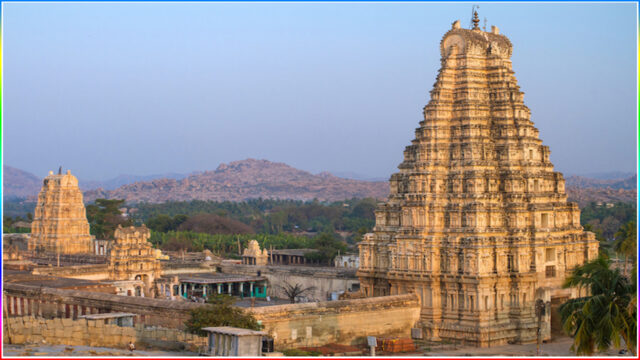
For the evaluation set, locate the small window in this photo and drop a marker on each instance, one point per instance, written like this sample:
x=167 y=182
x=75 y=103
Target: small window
x=530 y=154
x=536 y=185
x=550 y=271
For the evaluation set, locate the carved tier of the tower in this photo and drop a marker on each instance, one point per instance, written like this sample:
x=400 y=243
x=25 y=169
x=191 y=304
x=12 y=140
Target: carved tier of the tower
x=477 y=222
x=60 y=221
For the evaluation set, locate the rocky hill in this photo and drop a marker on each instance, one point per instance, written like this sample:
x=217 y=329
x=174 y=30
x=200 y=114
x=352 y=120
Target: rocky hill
x=19 y=184
x=584 y=190
x=246 y=179
x=629 y=183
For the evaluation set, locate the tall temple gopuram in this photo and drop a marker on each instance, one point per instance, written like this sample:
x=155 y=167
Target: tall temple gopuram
x=60 y=221
x=477 y=222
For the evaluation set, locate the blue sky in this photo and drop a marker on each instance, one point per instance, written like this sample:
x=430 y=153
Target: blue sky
x=145 y=88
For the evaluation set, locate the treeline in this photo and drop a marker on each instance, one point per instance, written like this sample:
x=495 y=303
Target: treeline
x=9 y=224
x=232 y=245
x=262 y=216
x=605 y=220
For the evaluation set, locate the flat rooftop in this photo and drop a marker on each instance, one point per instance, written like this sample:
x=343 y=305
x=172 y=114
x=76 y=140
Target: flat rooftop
x=217 y=278
x=26 y=278
x=292 y=252
x=228 y=330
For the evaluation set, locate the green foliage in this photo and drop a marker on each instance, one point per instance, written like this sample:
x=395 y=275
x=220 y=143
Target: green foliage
x=8 y=224
x=269 y=216
x=328 y=246
x=299 y=352
x=605 y=317
x=164 y=223
x=626 y=243
x=104 y=217
x=224 y=244
x=605 y=221
x=220 y=311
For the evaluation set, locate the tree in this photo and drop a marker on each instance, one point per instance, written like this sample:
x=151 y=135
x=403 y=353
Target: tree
x=219 y=311
x=328 y=246
x=293 y=291
x=603 y=318
x=104 y=217
x=626 y=242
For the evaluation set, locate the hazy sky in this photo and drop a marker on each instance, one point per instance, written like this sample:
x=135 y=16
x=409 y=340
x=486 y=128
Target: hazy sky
x=144 y=88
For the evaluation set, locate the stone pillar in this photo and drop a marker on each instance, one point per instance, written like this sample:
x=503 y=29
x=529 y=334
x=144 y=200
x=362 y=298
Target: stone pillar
x=219 y=288
x=251 y=289
x=242 y=290
x=204 y=291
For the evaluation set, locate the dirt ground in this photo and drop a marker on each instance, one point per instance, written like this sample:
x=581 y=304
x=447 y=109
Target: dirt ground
x=82 y=351
x=558 y=347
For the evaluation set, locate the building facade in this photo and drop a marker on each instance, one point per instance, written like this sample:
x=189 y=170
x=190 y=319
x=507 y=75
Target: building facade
x=477 y=222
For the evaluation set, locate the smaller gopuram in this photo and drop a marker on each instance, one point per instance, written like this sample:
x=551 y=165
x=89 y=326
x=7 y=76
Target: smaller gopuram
x=60 y=221
x=131 y=257
x=252 y=255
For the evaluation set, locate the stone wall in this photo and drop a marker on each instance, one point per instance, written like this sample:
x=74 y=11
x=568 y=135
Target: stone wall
x=293 y=325
x=85 y=272
x=21 y=300
x=29 y=329
x=325 y=279
x=343 y=322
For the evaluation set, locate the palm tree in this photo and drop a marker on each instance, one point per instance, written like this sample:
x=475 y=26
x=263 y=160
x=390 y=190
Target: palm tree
x=603 y=318
x=626 y=242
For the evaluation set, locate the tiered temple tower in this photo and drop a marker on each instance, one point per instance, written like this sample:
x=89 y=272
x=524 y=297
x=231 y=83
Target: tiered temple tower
x=132 y=257
x=477 y=222
x=60 y=222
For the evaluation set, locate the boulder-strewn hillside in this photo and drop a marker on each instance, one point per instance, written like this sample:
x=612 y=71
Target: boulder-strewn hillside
x=19 y=184
x=615 y=184
x=584 y=190
x=246 y=179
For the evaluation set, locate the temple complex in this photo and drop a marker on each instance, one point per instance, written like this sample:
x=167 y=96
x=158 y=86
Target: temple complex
x=133 y=260
x=60 y=222
x=477 y=223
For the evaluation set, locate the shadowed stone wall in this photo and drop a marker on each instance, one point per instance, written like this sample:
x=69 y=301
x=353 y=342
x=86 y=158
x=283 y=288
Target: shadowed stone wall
x=342 y=322
x=29 y=329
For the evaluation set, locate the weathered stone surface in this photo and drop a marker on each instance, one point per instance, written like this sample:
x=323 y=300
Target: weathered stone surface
x=60 y=222
x=252 y=255
x=78 y=332
x=342 y=321
x=477 y=222
x=132 y=258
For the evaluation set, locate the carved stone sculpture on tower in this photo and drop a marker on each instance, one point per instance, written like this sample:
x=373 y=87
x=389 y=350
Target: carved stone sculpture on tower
x=60 y=221
x=477 y=222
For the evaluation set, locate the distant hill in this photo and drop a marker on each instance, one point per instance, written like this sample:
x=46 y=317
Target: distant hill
x=17 y=183
x=629 y=183
x=246 y=179
x=125 y=179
